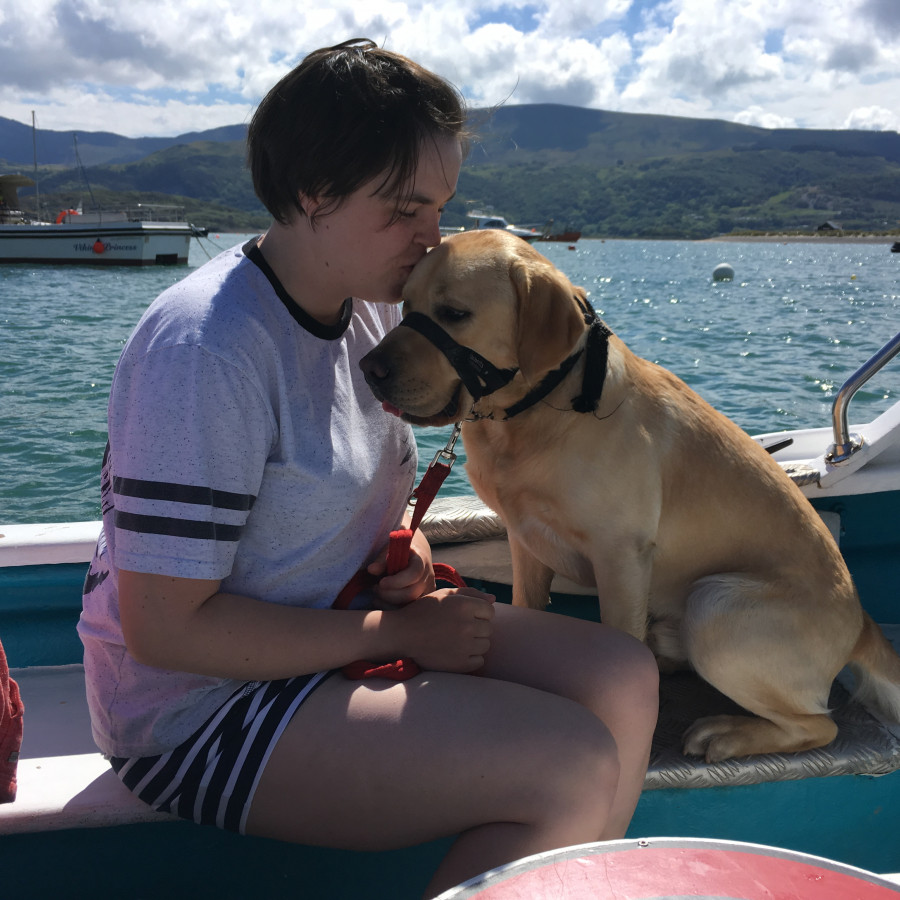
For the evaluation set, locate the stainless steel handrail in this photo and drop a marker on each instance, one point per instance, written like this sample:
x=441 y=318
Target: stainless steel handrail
x=846 y=444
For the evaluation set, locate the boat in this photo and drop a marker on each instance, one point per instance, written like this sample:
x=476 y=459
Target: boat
x=895 y=247
x=484 y=219
x=143 y=235
x=565 y=236
x=75 y=831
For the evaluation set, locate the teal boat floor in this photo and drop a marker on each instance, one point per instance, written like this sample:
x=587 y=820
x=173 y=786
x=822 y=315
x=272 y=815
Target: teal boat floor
x=865 y=745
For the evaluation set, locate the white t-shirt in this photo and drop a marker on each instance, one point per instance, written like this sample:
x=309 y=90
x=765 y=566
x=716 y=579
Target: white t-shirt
x=245 y=446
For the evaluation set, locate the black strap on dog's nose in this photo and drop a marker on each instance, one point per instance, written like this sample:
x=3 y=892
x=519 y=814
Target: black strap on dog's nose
x=480 y=376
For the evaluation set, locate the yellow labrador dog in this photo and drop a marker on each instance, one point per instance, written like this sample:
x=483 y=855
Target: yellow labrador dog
x=611 y=471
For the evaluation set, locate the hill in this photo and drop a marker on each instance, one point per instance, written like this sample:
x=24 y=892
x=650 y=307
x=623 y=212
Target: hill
x=565 y=135
x=604 y=173
x=95 y=148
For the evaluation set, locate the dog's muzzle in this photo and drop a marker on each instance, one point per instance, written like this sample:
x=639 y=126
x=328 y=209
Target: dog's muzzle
x=479 y=375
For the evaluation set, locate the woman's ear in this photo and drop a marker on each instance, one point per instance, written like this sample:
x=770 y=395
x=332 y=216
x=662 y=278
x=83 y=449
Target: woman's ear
x=549 y=320
x=308 y=205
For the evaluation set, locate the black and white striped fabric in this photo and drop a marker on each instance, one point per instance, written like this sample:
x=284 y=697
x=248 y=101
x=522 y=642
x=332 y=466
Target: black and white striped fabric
x=211 y=778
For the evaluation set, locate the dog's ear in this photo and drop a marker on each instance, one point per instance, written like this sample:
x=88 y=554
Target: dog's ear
x=549 y=321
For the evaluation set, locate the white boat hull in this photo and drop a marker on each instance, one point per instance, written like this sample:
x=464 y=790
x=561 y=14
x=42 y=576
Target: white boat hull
x=117 y=244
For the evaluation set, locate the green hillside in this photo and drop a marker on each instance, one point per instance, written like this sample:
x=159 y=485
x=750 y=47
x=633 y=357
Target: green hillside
x=697 y=195
x=605 y=174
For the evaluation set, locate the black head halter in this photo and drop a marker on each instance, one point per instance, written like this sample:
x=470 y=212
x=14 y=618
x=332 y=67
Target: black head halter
x=480 y=376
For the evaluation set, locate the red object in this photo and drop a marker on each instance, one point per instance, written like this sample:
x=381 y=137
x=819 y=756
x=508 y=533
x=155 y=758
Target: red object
x=11 y=726
x=99 y=247
x=397 y=560
x=675 y=867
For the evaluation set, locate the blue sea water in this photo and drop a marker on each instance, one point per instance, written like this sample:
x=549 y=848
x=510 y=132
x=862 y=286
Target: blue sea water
x=769 y=349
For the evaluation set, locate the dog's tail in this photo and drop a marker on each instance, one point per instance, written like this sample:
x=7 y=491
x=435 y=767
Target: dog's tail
x=876 y=666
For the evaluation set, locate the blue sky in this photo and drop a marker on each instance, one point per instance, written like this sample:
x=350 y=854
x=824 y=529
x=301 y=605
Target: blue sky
x=166 y=67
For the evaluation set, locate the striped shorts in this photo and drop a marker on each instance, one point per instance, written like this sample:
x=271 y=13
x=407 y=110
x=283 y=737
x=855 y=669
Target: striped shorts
x=211 y=777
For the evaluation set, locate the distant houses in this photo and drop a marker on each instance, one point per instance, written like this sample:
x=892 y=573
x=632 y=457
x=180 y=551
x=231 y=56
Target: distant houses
x=829 y=228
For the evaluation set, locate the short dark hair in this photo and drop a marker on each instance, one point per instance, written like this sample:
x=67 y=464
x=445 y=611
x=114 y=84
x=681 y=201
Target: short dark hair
x=342 y=117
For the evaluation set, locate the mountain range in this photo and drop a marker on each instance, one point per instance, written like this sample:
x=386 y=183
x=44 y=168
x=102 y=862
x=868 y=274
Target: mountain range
x=603 y=173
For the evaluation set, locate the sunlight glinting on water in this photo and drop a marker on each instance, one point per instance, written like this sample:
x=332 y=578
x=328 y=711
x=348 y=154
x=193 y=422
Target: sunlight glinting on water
x=769 y=349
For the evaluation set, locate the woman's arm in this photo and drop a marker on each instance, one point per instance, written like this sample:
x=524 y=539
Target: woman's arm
x=188 y=625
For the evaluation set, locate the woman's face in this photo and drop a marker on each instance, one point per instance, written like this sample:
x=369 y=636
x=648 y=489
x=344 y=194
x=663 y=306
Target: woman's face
x=366 y=254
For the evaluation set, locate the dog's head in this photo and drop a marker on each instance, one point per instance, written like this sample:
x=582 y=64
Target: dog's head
x=491 y=293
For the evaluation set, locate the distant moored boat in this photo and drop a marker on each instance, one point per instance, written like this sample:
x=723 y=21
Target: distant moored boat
x=139 y=236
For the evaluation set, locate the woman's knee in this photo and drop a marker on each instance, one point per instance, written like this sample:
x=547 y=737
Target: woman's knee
x=644 y=672
x=630 y=678
x=585 y=770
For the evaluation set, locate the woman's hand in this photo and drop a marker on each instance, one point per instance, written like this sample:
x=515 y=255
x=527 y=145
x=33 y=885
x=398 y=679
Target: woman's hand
x=448 y=630
x=410 y=583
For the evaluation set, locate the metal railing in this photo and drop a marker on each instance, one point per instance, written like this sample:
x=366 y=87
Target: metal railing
x=846 y=444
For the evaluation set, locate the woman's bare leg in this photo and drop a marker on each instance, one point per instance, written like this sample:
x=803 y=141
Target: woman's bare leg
x=512 y=768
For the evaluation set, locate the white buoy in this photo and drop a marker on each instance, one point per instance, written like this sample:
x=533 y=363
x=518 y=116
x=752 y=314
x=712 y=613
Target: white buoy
x=723 y=272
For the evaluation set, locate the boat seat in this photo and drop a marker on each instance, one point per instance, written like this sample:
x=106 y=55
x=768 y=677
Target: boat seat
x=866 y=744
x=464 y=533
x=63 y=781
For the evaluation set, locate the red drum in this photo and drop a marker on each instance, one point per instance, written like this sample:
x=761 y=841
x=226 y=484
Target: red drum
x=675 y=869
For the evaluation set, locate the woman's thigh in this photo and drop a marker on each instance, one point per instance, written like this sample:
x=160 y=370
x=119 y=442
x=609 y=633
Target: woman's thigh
x=373 y=765
x=595 y=665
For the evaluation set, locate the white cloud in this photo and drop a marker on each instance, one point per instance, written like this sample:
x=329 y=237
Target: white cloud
x=580 y=16
x=162 y=67
x=873 y=118
x=756 y=115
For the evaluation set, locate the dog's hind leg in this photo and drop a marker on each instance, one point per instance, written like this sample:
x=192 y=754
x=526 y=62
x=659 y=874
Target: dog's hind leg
x=776 y=665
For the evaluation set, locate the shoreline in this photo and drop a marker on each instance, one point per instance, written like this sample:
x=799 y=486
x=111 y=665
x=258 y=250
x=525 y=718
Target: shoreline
x=804 y=238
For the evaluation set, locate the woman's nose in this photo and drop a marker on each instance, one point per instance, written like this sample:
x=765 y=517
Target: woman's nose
x=431 y=230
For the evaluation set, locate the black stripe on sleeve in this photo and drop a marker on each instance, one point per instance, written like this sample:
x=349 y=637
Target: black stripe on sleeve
x=182 y=493
x=183 y=528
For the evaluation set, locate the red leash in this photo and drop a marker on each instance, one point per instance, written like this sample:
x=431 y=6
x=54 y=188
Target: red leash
x=398 y=559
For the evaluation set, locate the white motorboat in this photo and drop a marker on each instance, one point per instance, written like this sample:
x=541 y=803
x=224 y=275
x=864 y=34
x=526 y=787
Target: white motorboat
x=143 y=235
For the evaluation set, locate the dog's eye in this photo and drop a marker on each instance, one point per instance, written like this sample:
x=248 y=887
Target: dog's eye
x=452 y=314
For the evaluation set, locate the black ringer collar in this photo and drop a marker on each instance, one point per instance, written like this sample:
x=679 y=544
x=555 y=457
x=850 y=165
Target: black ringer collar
x=303 y=318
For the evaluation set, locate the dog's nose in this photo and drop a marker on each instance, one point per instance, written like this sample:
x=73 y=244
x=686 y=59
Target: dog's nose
x=374 y=367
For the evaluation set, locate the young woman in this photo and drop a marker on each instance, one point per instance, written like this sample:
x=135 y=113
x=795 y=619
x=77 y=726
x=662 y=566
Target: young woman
x=250 y=473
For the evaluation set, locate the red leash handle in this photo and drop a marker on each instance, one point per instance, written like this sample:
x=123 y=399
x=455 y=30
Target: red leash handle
x=399 y=547
x=398 y=669
x=397 y=560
